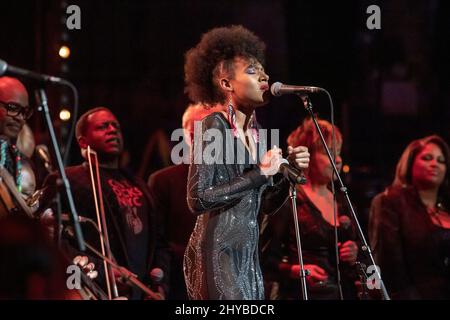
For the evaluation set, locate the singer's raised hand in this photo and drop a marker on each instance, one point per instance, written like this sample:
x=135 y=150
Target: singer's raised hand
x=271 y=161
x=299 y=156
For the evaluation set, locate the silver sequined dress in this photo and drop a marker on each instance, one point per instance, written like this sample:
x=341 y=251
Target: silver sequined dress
x=221 y=260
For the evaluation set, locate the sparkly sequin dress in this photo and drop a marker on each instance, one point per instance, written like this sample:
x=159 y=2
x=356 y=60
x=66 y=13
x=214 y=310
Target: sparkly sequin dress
x=221 y=260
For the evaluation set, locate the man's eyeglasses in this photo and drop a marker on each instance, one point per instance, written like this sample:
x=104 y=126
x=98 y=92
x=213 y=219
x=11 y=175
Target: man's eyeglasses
x=14 y=110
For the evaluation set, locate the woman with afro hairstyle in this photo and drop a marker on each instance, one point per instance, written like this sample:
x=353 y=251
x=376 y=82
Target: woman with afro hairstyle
x=225 y=71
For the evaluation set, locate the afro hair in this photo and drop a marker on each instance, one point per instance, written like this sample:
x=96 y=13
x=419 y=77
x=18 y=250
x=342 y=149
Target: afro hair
x=219 y=45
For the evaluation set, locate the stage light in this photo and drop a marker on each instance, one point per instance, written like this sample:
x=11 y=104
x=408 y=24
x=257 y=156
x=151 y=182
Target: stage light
x=346 y=168
x=64 y=115
x=64 y=52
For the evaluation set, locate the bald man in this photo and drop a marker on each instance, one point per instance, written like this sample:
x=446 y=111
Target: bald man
x=14 y=107
x=14 y=111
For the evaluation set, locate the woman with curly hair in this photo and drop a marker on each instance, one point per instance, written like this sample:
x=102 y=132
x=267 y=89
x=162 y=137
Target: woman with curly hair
x=221 y=261
x=409 y=223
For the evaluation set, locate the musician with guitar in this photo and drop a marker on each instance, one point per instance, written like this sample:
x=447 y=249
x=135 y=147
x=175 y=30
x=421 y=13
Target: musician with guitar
x=135 y=238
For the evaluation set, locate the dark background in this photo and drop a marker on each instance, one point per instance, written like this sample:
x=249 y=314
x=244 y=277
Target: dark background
x=389 y=86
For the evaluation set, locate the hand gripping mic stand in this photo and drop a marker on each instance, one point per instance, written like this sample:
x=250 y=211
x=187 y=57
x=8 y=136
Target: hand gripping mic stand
x=365 y=247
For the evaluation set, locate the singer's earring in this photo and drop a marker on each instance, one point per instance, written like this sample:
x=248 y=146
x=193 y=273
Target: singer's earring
x=232 y=117
x=254 y=128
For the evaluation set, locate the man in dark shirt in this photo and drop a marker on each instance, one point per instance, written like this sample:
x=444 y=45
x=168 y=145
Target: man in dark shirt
x=134 y=231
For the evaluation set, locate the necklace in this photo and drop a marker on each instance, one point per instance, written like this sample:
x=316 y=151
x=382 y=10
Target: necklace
x=17 y=160
x=435 y=211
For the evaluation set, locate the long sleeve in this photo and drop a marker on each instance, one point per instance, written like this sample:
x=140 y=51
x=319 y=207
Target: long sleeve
x=386 y=241
x=275 y=196
x=208 y=188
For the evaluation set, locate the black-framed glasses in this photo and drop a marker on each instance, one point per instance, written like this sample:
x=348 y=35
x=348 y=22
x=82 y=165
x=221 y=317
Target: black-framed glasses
x=14 y=110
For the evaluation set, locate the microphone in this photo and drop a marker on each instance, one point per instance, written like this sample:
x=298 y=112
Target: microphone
x=278 y=89
x=5 y=68
x=156 y=276
x=292 y=174
x=345 y=230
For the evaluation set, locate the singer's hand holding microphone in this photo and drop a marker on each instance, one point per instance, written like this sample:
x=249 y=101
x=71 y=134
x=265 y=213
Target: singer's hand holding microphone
x=273 y=162
x=299 y=156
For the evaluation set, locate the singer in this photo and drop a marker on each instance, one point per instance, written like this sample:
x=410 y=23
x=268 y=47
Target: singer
x=221 y=261
x=316 y=219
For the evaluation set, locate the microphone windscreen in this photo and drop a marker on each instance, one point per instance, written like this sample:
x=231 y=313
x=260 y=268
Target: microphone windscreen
x=156 y=275
x=345 y=222
x=275 y=88
x=3 y=67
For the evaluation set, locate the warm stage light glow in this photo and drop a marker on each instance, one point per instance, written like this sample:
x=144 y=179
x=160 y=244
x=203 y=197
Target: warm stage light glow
x=64 y=115
x=346 y=168
x=64 y=52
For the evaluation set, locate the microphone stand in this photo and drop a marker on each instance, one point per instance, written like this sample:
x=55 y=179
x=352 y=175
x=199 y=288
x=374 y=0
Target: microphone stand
x=303 y=273
x=42 y=98
x=365 y=247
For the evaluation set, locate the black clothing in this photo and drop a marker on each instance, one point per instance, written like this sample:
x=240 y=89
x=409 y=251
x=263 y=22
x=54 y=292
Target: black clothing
x=279 y=246
x=412 y=252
